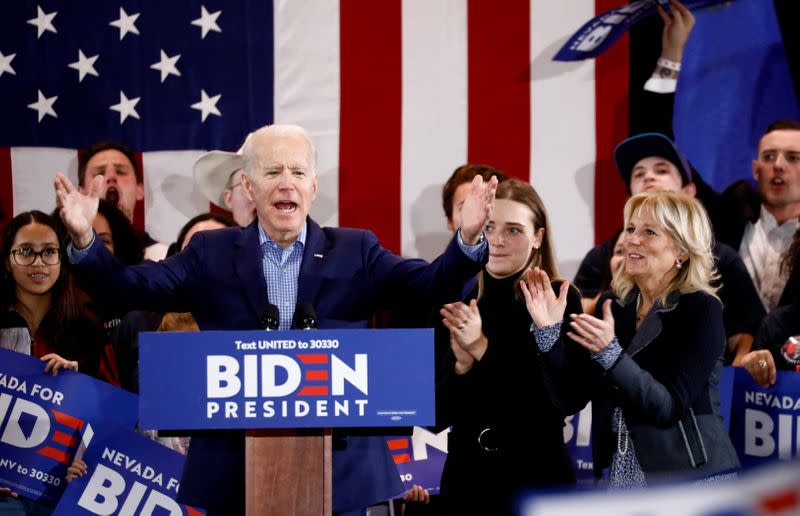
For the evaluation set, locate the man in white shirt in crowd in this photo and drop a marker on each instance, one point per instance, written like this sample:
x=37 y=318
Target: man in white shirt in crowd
x=765 y=240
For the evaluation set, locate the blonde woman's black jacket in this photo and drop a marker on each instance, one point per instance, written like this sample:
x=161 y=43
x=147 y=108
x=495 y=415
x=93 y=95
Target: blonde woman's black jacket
x=665 y=381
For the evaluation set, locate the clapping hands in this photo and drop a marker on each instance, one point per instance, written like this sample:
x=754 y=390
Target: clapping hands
x=466 y=333
x=544 y=307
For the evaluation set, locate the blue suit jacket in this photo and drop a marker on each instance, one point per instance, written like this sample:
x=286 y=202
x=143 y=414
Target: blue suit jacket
x=345 y=275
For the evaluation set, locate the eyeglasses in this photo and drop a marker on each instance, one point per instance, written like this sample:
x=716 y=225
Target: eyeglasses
x=26 y=256
x=234 y=186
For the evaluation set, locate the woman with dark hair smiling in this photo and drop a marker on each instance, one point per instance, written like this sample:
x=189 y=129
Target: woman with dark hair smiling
x=39 y=313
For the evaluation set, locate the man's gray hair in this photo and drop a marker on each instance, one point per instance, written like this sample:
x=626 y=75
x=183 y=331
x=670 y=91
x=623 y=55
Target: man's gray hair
x=276 y=130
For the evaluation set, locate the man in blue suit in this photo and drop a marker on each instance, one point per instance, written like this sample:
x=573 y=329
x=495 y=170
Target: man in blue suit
x=226 y=278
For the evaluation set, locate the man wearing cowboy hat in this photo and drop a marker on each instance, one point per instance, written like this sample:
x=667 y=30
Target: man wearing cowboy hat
x=218 y=175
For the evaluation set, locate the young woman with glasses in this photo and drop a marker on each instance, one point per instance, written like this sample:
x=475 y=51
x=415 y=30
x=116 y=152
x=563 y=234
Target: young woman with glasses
x=39 y=314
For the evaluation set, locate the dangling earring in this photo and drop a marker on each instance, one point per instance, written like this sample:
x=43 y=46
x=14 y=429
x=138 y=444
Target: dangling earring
x=678 y=264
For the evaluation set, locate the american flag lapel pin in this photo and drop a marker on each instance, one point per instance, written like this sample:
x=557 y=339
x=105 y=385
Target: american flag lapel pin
x=317 y=255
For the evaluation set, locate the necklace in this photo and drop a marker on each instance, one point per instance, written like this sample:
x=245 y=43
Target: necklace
x=639 y=316
x=622 y=440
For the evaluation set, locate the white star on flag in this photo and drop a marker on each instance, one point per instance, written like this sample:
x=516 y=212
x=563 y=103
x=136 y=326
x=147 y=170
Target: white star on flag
x=126 y=23
x=207 y=105
x=43 y=22
x=5 y=64
x=126 y=107
x=84 y=65
x=207 y=21
x=44 y=106
x=167 y=65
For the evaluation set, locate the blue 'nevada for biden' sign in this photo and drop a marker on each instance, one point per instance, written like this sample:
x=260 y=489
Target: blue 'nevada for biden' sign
x=286 y=379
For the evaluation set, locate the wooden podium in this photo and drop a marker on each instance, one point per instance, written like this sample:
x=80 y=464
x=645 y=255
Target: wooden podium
x=288 y=472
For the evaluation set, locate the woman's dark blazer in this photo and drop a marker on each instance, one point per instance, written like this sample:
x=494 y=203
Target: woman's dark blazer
x=666 y=381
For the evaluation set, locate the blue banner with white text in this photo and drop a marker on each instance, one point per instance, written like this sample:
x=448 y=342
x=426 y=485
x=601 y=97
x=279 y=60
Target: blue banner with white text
x=764 y=422
x=43 y=419
x=286 y=379
x=601 y=32
x=126 y=474
x=420 y=457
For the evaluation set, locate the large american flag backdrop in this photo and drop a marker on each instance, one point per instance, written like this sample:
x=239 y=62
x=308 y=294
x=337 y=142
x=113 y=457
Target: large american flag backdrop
x=395 y=93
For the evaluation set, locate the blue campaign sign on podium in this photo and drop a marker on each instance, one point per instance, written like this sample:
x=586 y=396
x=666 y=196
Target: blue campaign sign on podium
x=286 y=379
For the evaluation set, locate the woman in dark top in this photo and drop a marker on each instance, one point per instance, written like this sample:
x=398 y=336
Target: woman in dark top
x=39 y=312
x=40 y=316
x=507 y=433
x=650 y=358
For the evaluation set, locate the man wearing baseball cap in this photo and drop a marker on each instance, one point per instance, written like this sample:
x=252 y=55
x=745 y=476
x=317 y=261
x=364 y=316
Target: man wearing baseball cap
x=652 y=161
x=218 y=175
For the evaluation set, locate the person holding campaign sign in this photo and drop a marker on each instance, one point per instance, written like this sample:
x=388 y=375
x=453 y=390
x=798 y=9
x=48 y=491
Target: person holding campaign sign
x=39 y=313
x=653 y=349
x=507 y=433
x=227 y=278
x=777 y=345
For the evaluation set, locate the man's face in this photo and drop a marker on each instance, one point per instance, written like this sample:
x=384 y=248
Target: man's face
x=655 y=173
x=777 y=169
x=243 y=209
x=122 y=188
x=282 y=184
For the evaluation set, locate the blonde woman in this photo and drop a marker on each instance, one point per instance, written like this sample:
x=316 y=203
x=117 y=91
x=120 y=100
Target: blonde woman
x=652 y=351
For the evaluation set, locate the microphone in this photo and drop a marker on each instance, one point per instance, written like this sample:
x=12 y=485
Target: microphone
x=305 y=317
x=270 y=319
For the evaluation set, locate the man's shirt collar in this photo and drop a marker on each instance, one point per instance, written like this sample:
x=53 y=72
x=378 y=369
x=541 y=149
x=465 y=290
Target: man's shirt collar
x=263 y=237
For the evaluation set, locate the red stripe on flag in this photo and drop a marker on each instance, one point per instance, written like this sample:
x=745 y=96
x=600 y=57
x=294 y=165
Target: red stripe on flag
x=313 y=391
x=397 y=444
x=67 y=420
x=67 y=440
x=138 y=211
x=316 y=358
x=371 y=118
x=6 y=188
x=316 y=375
x=402 y=458
x=498 y=98
x=778 y=502
x=611 y=127
x=54 y=454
